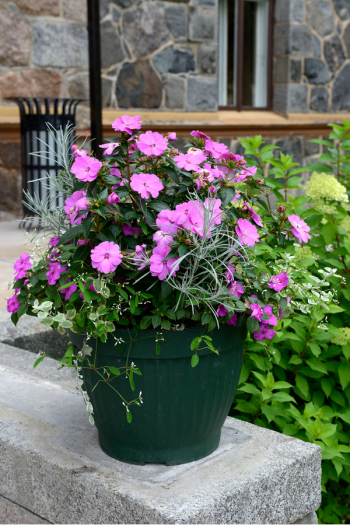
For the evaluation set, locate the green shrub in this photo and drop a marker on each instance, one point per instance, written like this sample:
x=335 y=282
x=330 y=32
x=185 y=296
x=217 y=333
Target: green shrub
x=299 y=383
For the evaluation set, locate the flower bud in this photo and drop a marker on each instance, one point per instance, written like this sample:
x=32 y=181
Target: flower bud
x=113 y=198
x=172 y=136
x=281 y=209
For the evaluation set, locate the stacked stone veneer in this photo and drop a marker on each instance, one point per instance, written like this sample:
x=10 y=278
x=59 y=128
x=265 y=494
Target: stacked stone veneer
x=312 y=56
x=155 y=54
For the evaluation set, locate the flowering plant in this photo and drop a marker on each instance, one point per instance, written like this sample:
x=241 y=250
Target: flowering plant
x=154 y=238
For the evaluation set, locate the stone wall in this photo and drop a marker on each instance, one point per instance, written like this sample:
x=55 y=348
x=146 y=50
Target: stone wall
x=155 y=55
x=312 y=56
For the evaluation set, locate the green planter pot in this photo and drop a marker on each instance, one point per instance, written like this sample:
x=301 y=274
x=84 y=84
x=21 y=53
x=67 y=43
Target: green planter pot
x=184 y=408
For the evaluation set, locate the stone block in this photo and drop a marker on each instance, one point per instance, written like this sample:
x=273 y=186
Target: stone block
x=292 y=39
x=75 y=10
x=297 y=98
x=202 y=94
x=78 y=85
x=296 y=10
x=50 y=459
x=346 y=38
x=316 y=46
x=10 y=154
x=319 y=99
x=12 y=513
x=341 y=91
x=310 y=148
x=39 y=7
x=106 y=85
x=207 y=59
x=334 y=53
x=280 y=99
x=15 y=39
x=116 y=13
x=175 y=16
x=281 y=10
x=104 y=8
x=300 y=40
x=286 y=70
x=174 y=60
x=31 y=83
x=201 y=24
x=291 y=146
x=138 y=86
x=316 y=71
x=320 y=17
x=60 y=45
x=145 y=30
x=111 y=48
x=175 y=90
x=342 y=7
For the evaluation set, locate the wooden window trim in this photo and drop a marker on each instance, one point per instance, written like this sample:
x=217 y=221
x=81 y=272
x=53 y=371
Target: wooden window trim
x=240 y=25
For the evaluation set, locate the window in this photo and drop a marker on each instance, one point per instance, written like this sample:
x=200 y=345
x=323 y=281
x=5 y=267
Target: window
x=245 y=54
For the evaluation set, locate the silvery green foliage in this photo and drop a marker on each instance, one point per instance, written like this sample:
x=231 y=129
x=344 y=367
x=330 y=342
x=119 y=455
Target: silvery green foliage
x=51 y=217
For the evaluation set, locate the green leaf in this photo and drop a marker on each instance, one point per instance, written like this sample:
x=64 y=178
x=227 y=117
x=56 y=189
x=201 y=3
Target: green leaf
x=114 y=370
x=38 y=361
x=344 y=374
x=250 y=389
x=128 y=416
x=194 y=360
x=315 y=349
x=171 y=314
x=290 y=430
x=156 y=320
x=314 y=364
x=329 y=231
x=252 y=324
x=337 y=397
x=123 y=294
x=145 y=322
x=180 y=313
x=326 y=386
x=166 y=324
x=71 y=234
x=281 y=384
x=144 y=227
x=319 y=167
x=295 y=360
x=194 y=343
x=302 y=384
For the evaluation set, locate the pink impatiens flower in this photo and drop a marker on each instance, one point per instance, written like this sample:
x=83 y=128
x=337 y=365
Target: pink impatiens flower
x=172 y=136
x=77 y=152
x=189 y=161
x=54 y=241
x=13 y=304
x=75 y=203
x=162 y=238
x=106 y=257
x=229 y=273
x=22 y=265
x=86 y=168
x=152 y=143
x=247 y=232
x=216 y=149
x=68 y=291
x=134 y=231
x=127 y=124
x=54 y=273
x=233 y=320
x=272 y=318
x=221 y=311
x=264 y=333
x=159 y=266
x=139 y=256
x=236 y=289
x=256 y=218
x=278 y=282
x=300 y=228
x=113 y=198
x=167 y=221
x=109 y=147
x=199 y=135
x=257 y=311
x=146 y=184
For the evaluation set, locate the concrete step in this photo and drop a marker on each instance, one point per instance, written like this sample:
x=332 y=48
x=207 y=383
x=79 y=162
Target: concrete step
x=52 y=467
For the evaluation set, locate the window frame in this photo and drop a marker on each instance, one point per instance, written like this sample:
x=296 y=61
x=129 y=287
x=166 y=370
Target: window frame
x=239 y=62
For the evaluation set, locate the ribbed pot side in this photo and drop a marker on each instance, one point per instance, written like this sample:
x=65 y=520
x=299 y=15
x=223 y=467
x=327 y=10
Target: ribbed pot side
x=183 y=408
